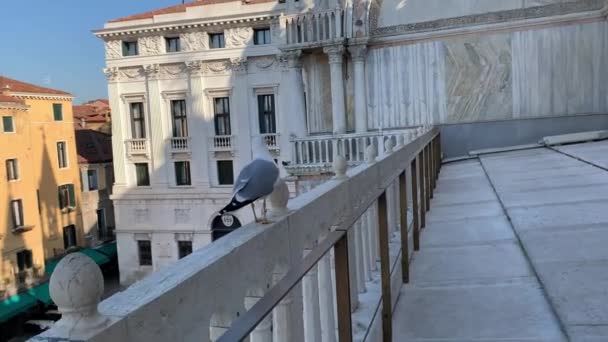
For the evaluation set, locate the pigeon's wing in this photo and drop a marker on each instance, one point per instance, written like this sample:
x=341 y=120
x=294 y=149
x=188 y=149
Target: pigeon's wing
x=256 y=180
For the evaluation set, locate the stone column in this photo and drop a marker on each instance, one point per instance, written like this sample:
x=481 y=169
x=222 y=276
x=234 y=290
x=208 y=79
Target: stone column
x=336 y=56
x=312 y=317
x=118 y=131
x=263 y=331
x=292 y=105
x=358 y=54
x=326 y=301
x=287 y=316
x=157 y=136
x=198 y=130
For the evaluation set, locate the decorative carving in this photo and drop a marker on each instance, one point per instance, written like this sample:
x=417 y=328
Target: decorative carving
x=182 y=216
x=239 y=36
x=264 y=62
x=358 y=53
x=113 y=49
x=172 y=71
x=132 y=74
x=291 y=59
x=152 y=71
x=217 y=67
x=195 y=68
x=112 y=74
x=335 y=53
x=194 y=41
x=150 y=46
x=374 y=14
x=239 y=64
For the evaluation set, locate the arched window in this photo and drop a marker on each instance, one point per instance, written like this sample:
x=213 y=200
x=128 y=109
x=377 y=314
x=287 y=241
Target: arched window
x=223 y=224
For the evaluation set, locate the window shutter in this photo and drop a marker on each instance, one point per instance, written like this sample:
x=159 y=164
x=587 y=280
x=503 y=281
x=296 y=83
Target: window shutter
x=57 y=111
x=125 y=50
x=72 y=195
x=7 y=123
x=59 y=195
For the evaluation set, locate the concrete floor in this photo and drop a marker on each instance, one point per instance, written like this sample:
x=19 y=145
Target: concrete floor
x=536 y=270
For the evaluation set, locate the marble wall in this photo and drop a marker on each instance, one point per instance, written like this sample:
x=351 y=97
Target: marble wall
x=484 y=77
x=318 y=93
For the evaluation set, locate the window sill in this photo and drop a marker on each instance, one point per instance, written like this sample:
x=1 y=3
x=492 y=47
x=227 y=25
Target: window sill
x=22 y=229
x=13 y=180
x=68 y=210
x=181 y=186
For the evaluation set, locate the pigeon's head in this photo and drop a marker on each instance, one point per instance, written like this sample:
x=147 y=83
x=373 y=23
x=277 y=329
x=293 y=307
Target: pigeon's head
x=260 y=149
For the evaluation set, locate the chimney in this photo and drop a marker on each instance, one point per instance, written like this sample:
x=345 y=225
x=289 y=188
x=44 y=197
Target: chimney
x=83 y=122
x=6 y=90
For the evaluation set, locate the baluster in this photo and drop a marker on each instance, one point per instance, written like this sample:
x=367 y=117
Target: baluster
x=263 y=331
x=314 y=152
x=326 y=143
x=302 y=143
x=312 y=317
x=334 y=145
x=331 y=27
x=326 y=300
x=286 y=321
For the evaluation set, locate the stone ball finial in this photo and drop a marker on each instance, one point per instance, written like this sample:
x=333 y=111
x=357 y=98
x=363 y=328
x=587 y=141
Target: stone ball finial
x=340 y=167
x=76 y=287
x=370 y=154
x=279 y=198
x=388 y=145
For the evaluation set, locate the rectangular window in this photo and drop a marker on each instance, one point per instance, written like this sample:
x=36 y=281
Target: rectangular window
x=225 y=172
x=69 y=236
x=221 y=110
x=138 y=123
x=142 y=174
x=261 y=36
x=216 y=41
x=12 y=169
x=57 y=111
x=92 y=178
x=67 y=199
x=172 y=44
x=62 y=156
x=180 y=122
x=129 y=48
x=144 y=248
x=182 y=173
x=184 y=248
x=17 y=213
x=266 y=114
x=7 y=124
x=102 y=227
x=24 y=260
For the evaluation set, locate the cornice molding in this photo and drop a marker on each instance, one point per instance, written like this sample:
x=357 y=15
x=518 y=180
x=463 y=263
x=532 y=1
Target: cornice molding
x=29 y=96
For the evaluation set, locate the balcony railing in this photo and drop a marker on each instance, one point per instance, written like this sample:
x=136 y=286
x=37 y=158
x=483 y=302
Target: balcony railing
x=271 y=140
x=137 y=147
x=252 y=283
x=180 y=145
x=314 y=27
x=316 y=153
x=221 y=143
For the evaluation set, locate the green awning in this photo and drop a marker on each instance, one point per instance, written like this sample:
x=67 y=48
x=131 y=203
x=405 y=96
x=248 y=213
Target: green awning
x=108 y=249
x=50 y=266
x=41 y=292
x=15 y=305
x=99 y=258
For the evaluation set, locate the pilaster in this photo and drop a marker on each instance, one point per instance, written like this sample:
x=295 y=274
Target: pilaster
x=198 y=129
x=358 y=55
x=336 y=59
x=118 y=131
x=157 y=135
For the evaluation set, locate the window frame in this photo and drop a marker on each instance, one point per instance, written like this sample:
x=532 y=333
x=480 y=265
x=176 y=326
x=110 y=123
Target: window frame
x=57 y=111
x=267 y=37
x=126 y=50
x=179 y=120
x=69 y=202
x=27 y=260
x=140 y=120
x=181 y=244
x=63 y=161
x=12 y=120
x=188 y=174
x=168 y=41
x=137 y=180
x=17 y=217
x=12 y=169
x=147 y=244
x=219 y=173
x=222 y=117
x=96 y=173
x=221 y=43
x=264 y=115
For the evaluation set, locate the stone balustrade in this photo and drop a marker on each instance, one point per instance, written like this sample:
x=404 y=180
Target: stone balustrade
x=137 y=147
x=200 y=297
x=314 y=27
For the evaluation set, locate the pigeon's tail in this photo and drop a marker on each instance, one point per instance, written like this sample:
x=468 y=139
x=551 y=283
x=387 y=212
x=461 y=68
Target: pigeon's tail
x=235 y=205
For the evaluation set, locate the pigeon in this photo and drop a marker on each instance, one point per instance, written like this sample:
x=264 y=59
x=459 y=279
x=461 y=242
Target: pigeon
x=256 y=180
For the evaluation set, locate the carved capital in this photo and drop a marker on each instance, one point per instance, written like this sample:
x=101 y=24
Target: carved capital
x=239 y=65
x=335 y=53
x=358 y=53
x=195 y=68
x=152 y=71
x=291 y=59
x=112 y=74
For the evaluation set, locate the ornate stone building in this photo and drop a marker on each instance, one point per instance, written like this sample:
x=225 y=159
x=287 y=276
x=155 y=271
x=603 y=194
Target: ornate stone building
x=190 y=85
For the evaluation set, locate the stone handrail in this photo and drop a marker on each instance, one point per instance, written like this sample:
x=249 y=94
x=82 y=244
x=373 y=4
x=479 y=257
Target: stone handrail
x=200 y=296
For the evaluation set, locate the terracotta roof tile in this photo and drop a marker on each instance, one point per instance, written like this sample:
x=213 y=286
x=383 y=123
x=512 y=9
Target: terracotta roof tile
x=93 y=146
x=22 y=87
x=180 y=9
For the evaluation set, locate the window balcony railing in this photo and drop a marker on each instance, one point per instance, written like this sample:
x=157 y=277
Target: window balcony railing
x=180 y=145
x=252 y=283
x=271 y=140
x=137 y=147
x=313 y=27
x=221 y=143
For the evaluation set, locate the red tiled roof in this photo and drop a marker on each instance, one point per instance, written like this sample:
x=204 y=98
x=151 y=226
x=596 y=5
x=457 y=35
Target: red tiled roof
x=180 y=9
x=22 y=87
x=79 y=111
x=96 y=118
x=8 y=98
x=93 y=146
x=104 y=101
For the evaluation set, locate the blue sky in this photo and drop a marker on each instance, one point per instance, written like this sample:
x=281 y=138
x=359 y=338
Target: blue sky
x=50 y=42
